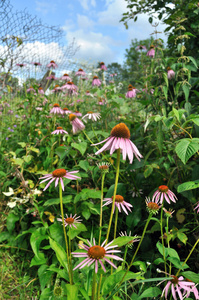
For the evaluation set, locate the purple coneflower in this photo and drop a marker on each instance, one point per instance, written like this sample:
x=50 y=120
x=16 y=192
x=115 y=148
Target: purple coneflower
x=56 y=89
x=56 y=109
x=21 y=65
x=179 y=287
x=77 y=113
x=36 y=64
x=95 y=254
x=40 y=90
x=132 y=91
x=30 y=89
x=66 y=111
x=52 y=64
x=102 y=66
x=66 y=77
x=77 y=124
x=119 y=202
x=162 y=193
x=168 y=213
x=59 y=130
x=92 y=116
x=197 y=207
x=80 y=72
x=70 y=220
x=152 y=205
x=88 y=93
x=151 y=52
x=141 y=47
x=120 y=139
x=134 y=240
x=70 y=86
x=170 y=73
x=51 y=77
x=57 y=175
x=96 y=81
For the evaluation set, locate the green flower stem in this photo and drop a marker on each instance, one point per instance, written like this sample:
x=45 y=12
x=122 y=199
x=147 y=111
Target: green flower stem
x=114 y=193
x=125 y=254
x=99 y=286
x=102 y=196
x=162 y=238
x=64 y=229
x=194 y=246
x=116 y=219
x=142 y=237
x=94 y=285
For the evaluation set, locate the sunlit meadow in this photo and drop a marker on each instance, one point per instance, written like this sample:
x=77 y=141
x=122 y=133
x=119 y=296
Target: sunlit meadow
x=99 y=179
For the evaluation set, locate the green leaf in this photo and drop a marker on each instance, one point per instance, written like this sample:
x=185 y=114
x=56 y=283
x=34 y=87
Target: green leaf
x=191 y=276
x=74 y=232
x=18 y=161
x=123 y=240
x=84 y=294
x=36 y=238
x=193 y=61
x=11 y=220
x=165 y=91
x=151 y=292
x=177 y=263
x=53 y=201
x=165 y=77
x=160 y=249
x=72 y=291
x=80 y=146
x=60 y=253
x=186 y=88
x=4 y=236
x=84 y=165
x=173 y=253
x=44 y=276
x=112 y=280
x=22 y=144
x=186 y=148
x=189 y=185
x=38 y=260
x=2 y=174
x=182 y=237
x=195 y=120
x=148 y=171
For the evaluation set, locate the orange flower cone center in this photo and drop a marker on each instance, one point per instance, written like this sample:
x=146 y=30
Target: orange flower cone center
x=57 y=85
x=119 y=198
x=52 y=62
x=96 y=252
x=72 y=117
x=153 y=206
x=90 y=112
x=69 y=220
x=70 y=82
x=130 y=86
x=168 y=68
x=59 y=128
x=56 y=105
x=121 y=131
x=102 y=63
x=163 y=188
x=175 y=279
x=87 y=91
x=59 y=173
x=40 y=88
x=95 y=77
x=81 y=70
x=103 y=167
x=65 y=74
x=65 y=108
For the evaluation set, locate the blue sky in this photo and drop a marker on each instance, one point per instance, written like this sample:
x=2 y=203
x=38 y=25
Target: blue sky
x=93 y=23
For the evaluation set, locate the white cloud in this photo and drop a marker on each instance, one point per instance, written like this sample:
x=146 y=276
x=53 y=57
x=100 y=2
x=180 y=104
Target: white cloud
x=93 y=46
x=84 y=22
x=87 y=3
x=45 y=7
x=113 y=14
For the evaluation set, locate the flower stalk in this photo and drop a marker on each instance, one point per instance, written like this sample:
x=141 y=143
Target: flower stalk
x=114 y=193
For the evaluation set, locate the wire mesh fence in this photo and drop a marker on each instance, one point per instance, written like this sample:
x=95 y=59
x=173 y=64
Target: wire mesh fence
x=27 y=45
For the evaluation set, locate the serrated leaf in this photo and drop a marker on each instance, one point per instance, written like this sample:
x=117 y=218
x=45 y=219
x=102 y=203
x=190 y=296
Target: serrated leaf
x=189 y=185
x=80 y=146
x=186 y=148
x=123 y=240
x=193 y=61
x=186 y=89
x=148 y=171
x=191 y=276
x=151 y=292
